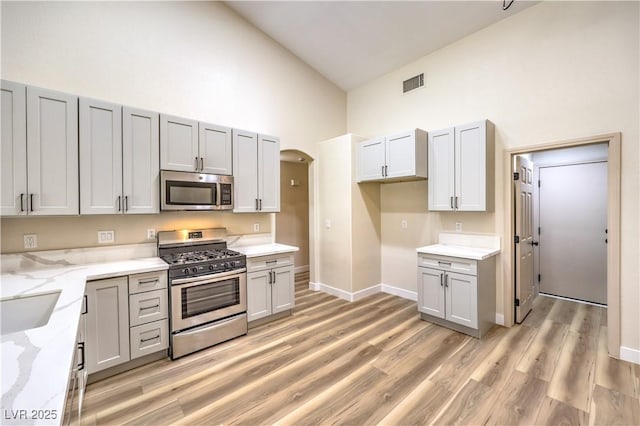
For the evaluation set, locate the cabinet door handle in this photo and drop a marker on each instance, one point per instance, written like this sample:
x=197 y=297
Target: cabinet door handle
x=201 y=163
x=456 y=202
x=386 y=171
x=446 y=280
x=196 y=160
x=31 y=202
x=260 y=202
x=256 y=204
x=269 y=282
x=149 y=339
x=21 y=203
x=441 y=280
x=451 y=202
x=85 y=308
x=273 y=279
x=81 y=347
x=119 y=206
x=382 y=170
x=126 y=203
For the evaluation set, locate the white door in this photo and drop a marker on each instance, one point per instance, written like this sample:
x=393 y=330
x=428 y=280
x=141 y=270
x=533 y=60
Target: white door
x=268 y=173
x=461 y=295
x=140 y=161
x=245 y=171
x=179 y=144
x=107 y=323
x=400 y=155
x=573 y=222
x=13 y=194
x=371 y=159
x=282 y=289
x=100 y=157
x=431 y=292
x=441 y=161
x=471 y=163
x=258 y=295
x=52 y=152
x=523 y=194
x=215 y=149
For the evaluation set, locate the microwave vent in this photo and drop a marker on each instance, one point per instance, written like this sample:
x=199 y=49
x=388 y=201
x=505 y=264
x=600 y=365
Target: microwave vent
x=413 y=83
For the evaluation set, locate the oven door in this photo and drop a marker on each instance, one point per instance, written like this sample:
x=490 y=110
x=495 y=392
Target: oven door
x=199 y=300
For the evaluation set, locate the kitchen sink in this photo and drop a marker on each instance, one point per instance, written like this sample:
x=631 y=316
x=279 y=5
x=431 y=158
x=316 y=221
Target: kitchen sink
x=26 y=312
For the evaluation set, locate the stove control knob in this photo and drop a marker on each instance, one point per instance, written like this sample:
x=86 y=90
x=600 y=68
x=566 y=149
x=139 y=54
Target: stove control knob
x=226 y=265
x=186 y=271
x=211 y=267
x=194 y=269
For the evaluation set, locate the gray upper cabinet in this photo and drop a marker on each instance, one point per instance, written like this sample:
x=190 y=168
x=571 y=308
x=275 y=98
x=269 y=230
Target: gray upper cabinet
x=14 y=149
x=52 y=152
x=140 y=161
x=119 y=170
x=398 y=157
x=214 y=147
x=256 y=171
x=461 y=166
x=100 y=157
x=189 y=146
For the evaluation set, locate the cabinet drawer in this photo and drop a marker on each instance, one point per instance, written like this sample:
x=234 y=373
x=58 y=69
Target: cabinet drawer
x=269 y=262
x=147 y=281
x=147 y=307
x=453 y=264
x=149 y=338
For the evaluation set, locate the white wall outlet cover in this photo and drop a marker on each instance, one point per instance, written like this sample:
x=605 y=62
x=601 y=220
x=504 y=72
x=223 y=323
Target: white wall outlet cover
x=256 y=227
x=106 y=237
x=458 y=226
x=151 y=234
x=327 y=223
x=404 y=224
x=30 y=241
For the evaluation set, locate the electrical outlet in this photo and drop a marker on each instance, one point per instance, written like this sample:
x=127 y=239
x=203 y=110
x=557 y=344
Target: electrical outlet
x=404 y=224
x=151 y=234
x=256 y=227
x=327 y=223
x=106 y=237
x=458 y=226
x=30 y=241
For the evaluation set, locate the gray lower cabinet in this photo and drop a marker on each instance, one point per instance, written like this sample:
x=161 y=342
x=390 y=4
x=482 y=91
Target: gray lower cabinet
x=457 y=293
x=270 y=286
x=107 y=343
x=127 y=317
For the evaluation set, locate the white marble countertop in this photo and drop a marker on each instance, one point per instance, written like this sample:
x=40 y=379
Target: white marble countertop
x=265 y=249
x=475 y=253
x=36 y=363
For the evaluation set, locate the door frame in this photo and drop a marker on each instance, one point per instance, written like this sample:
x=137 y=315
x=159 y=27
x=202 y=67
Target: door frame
x=613 y=225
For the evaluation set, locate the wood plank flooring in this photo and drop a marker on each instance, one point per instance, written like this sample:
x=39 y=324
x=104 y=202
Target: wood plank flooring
x=375 y=362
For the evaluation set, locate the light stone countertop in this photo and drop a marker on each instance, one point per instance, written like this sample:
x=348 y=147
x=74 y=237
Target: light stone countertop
x=475 y=253
x=265 y=249
x=36 y=363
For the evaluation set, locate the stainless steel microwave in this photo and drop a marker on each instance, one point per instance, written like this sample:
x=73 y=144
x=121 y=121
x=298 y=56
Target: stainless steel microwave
x=195 y=191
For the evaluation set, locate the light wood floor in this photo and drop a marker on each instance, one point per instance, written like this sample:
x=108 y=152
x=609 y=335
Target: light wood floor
x=375 y=362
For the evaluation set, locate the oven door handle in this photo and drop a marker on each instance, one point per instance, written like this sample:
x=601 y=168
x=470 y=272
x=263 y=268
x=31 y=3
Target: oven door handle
x=208 y=278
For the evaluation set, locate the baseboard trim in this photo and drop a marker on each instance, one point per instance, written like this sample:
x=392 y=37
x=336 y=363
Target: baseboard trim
x=499 y=319
x=397 y=291
x=360 y=294
x=338 y=292
x=630 y=354
x=299 y=269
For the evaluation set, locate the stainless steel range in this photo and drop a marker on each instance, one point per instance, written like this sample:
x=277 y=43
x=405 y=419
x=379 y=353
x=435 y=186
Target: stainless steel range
x=207 y=289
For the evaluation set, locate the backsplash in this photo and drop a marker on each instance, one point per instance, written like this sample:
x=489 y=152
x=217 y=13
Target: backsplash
x=68 y=232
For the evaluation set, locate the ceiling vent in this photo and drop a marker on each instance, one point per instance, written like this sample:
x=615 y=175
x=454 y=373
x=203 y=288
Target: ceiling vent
x=413 y=83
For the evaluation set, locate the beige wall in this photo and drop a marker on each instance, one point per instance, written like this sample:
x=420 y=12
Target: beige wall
x=81 y=231
x=292 y=223
x=556 y=71
x=193 y=59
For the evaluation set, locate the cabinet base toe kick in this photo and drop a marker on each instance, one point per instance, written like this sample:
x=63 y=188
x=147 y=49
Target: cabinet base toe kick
x=457 y=327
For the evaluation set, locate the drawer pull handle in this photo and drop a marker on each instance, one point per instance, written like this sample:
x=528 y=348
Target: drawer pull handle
x=271 y=262
x=444 y=263
x=148 y=282
x=150 y=307
x=149 y=339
